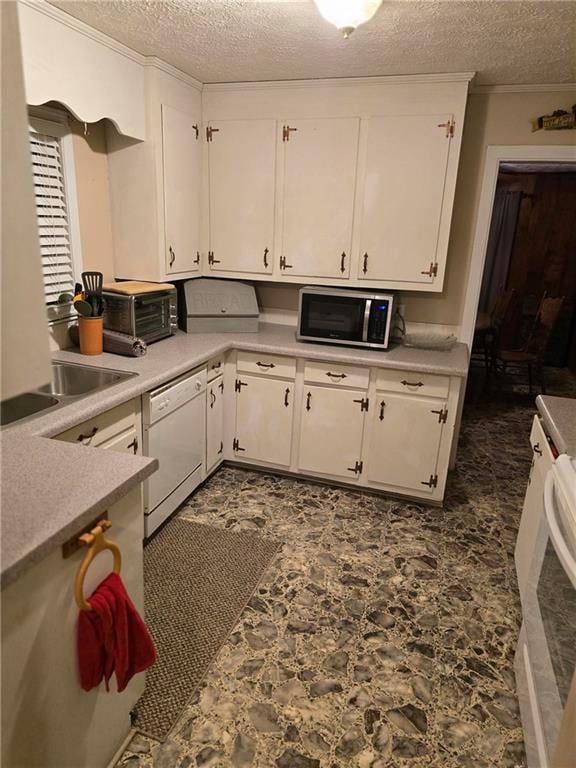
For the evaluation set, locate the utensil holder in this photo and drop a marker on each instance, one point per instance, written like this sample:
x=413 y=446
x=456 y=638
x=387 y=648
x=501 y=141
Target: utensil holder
x=91 y=331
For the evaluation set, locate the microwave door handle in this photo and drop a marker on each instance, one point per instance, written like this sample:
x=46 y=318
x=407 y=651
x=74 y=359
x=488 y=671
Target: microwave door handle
x=367 y=309
x=560 y=546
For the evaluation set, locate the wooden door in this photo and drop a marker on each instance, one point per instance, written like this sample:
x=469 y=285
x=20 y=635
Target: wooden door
x=405 y=435
x=264 y=413
x=214 y=422
x=402 y=199
x=331 y=428
x=320 y=159
x=182 y=164
x=242 y=168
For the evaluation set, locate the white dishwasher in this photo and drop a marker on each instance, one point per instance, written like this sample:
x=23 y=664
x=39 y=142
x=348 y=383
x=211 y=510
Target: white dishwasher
x=174 y=422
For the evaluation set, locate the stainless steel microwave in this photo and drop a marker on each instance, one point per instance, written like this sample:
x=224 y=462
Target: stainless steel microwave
x=341 y=316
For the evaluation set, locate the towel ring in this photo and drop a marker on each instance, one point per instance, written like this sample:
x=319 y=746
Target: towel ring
x=96 y=543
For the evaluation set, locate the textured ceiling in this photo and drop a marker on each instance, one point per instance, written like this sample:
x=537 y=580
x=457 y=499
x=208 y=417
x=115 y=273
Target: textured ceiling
x=235 y=40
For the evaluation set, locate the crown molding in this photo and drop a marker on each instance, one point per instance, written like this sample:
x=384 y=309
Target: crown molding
x=344 y=82
x=523 y=88
x=99 y=37
x=156 y=63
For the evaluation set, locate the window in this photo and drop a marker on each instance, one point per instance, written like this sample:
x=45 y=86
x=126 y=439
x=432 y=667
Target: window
x=55 y=193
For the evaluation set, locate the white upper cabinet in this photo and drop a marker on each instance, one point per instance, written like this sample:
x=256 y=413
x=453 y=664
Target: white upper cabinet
x=318 y=185
x=182 y=163
x=404 y=216
x=242 y=167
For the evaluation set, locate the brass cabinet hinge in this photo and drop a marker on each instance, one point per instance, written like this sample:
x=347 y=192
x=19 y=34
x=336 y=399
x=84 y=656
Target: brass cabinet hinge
x=432 y=271
x=239 y=384
x=442 y=415
x=432 y=483
x=283 y=264
x=210 y=131
x=364 y=403
x=357 y=468
x=449 y=126
x=286 y=130
x=236 y=445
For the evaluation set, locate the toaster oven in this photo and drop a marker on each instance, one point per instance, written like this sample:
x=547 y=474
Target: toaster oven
x=149 y=316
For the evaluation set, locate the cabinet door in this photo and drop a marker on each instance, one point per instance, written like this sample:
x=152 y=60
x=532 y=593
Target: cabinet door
x=127 y=442
x=242 y=168
x=320 y=158
x=405 y=435
x=182 y=158
x=331 y=427
x=214 y=422
x=264 y=413
x=403 y=191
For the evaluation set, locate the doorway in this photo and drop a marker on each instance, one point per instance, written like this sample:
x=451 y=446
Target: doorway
x=524 y=332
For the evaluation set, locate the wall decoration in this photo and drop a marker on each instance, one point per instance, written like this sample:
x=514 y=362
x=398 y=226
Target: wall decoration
x=559 y=120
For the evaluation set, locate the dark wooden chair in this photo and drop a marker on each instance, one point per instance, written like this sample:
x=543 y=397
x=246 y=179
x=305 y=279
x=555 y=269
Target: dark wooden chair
x=488 y=326
x=532 y=354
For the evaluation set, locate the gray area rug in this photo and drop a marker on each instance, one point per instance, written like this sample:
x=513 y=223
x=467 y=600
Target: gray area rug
x=197 y=581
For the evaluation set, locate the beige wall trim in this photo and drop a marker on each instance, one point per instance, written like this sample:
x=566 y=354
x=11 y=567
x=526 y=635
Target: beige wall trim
x=494 y=156
x=109 y=42
x=447 y=77
x=154 y=61
x=522 y=88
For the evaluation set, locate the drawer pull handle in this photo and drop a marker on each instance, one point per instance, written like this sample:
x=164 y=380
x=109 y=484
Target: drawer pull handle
x=382 y=406
x=336 y=375
x=212 y=399
x=308 y=399
x=266 y=252
x=215 y=366
x=80 y=438
x=133 y=445
x=365 y=264
x=412 y=383
x=221 y=447
x=265 y=365
x=286 y=403
x=172 y=256
x=536 y=448
x=342 y=261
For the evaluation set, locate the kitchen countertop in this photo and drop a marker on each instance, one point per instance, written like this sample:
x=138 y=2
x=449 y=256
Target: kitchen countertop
x=51 y=490
x=171 y=357
x=559 y=415
x=40 y=505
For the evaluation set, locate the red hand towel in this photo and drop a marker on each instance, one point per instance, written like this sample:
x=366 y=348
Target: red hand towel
x=112 y=637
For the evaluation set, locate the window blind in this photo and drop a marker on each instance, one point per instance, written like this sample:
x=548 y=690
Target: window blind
x=52 y=212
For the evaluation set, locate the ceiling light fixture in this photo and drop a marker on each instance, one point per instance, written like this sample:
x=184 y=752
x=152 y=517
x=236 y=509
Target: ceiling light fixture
x=347 y=14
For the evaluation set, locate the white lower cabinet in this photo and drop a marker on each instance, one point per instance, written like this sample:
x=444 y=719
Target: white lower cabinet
x=264 y=415
x=331 y=429
x=214 y=422
x=404 y=441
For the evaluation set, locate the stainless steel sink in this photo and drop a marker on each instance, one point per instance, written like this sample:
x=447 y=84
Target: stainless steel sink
x=25 y=405
x=70 y=380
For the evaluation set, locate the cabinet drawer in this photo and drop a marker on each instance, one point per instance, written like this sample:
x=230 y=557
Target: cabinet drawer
x=102 y=428
x=215 y=367
x=335 y=373
x=542 y=452
x=415 y=383
x=274 y=365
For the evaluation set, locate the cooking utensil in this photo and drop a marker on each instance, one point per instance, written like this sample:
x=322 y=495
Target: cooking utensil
x=83 y=308
x=93 y=288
